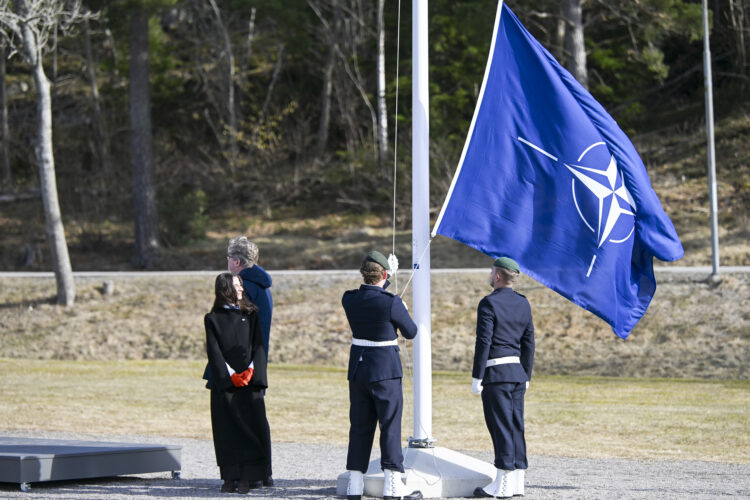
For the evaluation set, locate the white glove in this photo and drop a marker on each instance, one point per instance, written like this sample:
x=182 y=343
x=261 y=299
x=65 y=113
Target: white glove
x=393 y=262
x=527 y=385
x=476 y=386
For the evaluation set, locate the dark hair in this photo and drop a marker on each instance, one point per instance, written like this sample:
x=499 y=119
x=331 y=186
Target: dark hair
x=371 y=271
x=227 y=296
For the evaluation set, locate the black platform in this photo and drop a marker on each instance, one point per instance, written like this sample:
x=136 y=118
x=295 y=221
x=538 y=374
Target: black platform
x=29 y=460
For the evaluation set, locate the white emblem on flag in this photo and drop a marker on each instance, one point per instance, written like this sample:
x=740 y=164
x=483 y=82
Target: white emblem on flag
x=608 y=186
x=607 y=193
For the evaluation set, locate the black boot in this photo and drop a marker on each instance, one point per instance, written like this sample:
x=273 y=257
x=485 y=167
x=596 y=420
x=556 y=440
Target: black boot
x=480 y=493
x=244 y=487
x=228 y=486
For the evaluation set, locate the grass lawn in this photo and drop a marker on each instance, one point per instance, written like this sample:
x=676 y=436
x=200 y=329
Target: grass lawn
x=639 y=418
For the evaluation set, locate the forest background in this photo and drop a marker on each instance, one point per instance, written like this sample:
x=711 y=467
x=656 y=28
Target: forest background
x=279 y=120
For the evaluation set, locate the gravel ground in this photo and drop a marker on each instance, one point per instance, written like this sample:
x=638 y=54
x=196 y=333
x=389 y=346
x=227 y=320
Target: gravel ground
x=306 y=471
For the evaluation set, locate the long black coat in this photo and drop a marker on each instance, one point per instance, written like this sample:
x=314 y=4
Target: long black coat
x=235 y=338
x=242 y=437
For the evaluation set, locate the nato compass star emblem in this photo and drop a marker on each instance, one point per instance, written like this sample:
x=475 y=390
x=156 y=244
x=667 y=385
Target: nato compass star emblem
x=611 y=197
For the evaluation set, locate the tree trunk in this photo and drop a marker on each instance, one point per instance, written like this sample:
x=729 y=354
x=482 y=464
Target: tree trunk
x=559 y=47
x=231 y=111
x=54 y=64
x=249 y=53
x=250 y=34
x=114 y=73
x=737 y=15
x=66 y=291
x=100 y=130
x=6 y=176
x=382 y=108
x=144 y=198
x=269 y=92
x=327 y=90
x=574 y=41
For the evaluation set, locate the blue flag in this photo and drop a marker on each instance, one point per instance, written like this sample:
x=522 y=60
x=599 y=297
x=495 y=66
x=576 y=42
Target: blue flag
x=547 y=178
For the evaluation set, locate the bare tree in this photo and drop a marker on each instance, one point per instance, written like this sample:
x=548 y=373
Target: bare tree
x=6 y=177
x=575 y=47
x=267 y=101
x=737 y=17
x=344 y=37
x=27 y=25
x=231 y=107
x=331 y=35
x=382 y=108
x=141 y=142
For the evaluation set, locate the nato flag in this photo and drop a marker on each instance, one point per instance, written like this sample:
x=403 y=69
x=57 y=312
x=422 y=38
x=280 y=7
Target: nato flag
x=547 y=178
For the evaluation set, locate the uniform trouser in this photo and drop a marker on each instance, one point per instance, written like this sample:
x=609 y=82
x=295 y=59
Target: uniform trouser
x=503 y=413
x=370 y=403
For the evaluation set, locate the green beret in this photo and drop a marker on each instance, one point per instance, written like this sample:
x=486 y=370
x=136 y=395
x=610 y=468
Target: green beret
x=379 y=258
x=507 y=263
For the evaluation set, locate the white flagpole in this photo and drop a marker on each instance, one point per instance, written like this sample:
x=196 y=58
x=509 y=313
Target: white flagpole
x=708 y=84
x=421 y=228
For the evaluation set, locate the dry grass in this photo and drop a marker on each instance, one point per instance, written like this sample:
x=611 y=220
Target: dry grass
x=692 y=329
x=565 y=416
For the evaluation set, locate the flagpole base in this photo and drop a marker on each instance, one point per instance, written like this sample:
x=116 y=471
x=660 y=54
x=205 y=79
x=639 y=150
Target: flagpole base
x=436 y=472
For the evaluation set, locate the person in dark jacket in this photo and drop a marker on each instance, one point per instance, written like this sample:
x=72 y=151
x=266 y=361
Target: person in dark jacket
x=375 y=373
x=237 y=360
x=503 y=359
x=242 y=260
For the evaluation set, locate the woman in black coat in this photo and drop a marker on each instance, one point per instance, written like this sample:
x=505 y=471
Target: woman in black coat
x=234 y=345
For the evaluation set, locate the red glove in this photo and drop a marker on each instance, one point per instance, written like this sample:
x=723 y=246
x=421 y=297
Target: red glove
x=247 y=375
x=238 y=380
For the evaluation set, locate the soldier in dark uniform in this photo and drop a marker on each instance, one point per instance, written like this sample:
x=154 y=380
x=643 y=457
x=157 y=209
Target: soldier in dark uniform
x=375 y=373
x=503 y=358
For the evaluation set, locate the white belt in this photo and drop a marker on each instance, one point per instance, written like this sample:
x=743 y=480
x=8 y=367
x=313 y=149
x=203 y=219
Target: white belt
x=374 y=343
x=503 y=361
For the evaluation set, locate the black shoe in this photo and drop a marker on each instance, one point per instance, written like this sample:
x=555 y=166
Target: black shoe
x=228 y=486
x=244 y=487
x=411 y=496
x=480 y=493
x=268 y=481
x=353 y=497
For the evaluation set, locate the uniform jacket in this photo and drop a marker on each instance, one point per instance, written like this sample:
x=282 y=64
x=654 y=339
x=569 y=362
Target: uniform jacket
x=257 y=283
x=235 y=338
x=375 y=314
x=504 y=328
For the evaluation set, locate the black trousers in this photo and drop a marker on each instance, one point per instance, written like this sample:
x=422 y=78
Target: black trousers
x=503 y=413
x=371 y=403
